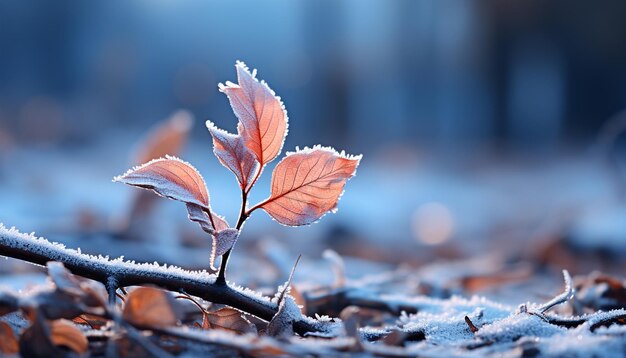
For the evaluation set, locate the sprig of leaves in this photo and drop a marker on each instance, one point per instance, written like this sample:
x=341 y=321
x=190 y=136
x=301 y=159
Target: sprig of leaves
x=306 y=184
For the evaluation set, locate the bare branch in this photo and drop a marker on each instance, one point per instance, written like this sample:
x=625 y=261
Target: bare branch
x=128 y=273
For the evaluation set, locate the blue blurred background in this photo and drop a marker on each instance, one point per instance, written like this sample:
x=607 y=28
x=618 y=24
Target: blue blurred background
x=487 y=127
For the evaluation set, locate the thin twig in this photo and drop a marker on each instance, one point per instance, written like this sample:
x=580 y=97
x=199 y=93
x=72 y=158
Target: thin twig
x=567 y=294
x=243 y=216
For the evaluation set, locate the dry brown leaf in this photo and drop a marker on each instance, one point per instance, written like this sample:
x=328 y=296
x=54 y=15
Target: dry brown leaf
x=64 y=333
x=80 y=290
x=63 y=279
x=150 y=307
x=232 y=152
x=8 y=341
x=262 y=116
x=44 y=338
x=95 y=322
x=307 y=184
x=8 y=303
x=229 y=319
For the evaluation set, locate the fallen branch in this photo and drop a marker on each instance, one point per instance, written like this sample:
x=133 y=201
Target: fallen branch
x=116 y=273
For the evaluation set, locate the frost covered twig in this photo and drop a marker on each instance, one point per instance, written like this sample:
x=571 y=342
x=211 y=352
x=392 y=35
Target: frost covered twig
x=567 y=294
x=39 y=251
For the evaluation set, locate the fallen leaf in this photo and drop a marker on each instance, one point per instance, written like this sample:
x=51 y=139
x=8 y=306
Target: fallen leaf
x=44 y=339
x=89 y=293
x=8 y=302
x=64 y=333
x=54 y=305
x=232 y=152
x=307 y=184
x=150 y=307
x=262 y=116
x=35 y=340
x=95 y=322
x=229 y=319
x=63 y=279
x=8 y=342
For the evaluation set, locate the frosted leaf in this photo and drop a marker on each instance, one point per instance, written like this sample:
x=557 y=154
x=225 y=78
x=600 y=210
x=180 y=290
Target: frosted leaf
x=262 y=115
x=281 y=324
x=307 y=184
x=197 y=214
x=232 y=152
x=178 y=180
x=222 y=242
x=63 y=279
x=169 y=177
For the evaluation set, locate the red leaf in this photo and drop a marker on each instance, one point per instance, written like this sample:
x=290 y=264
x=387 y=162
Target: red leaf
x=307 y=184
x=262 y=116
x=232 y=152
x=171 y=178
x=178 y=180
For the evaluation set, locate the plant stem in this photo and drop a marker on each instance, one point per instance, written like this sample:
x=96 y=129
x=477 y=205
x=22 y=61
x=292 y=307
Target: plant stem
x=243 y=215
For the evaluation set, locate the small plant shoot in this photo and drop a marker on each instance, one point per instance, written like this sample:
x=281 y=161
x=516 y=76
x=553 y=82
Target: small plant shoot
x=306 y=184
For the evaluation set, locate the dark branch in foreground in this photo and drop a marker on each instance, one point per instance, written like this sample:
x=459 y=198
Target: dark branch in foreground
x=123 y=273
